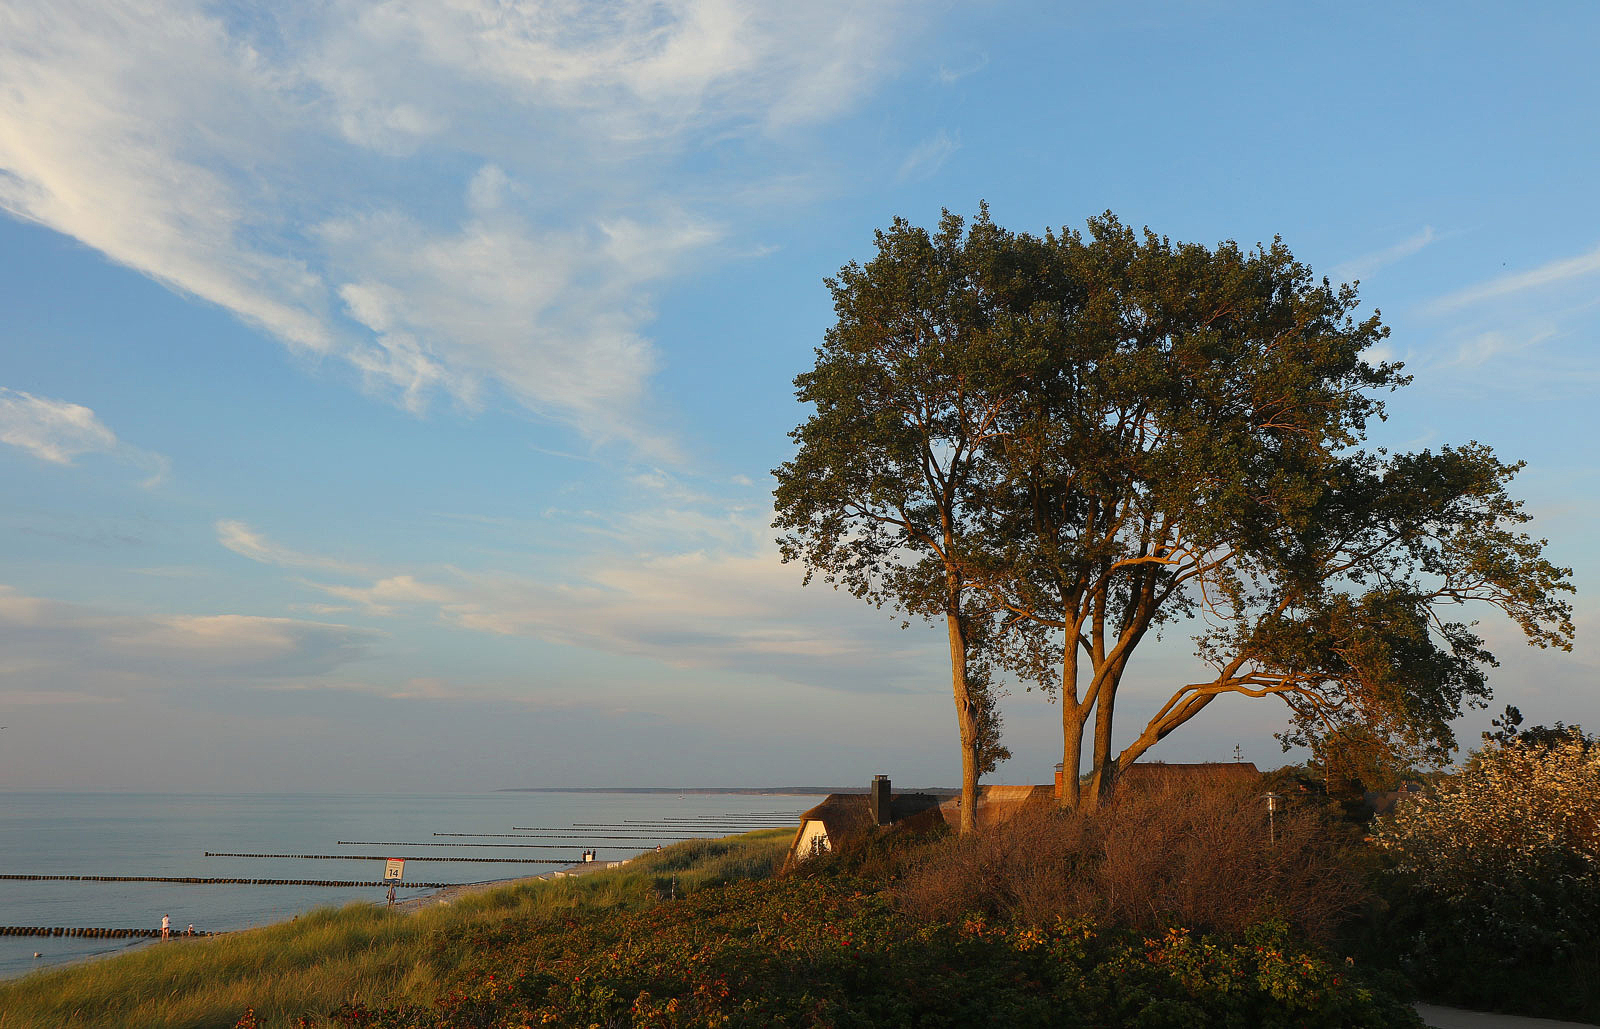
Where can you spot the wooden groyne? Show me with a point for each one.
(661, 828)
(664, 837)
(381, 857)
(524, 846)
(208, 881)
(96, 934)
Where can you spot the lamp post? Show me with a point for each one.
(1273, 800)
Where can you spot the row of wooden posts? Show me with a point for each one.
(227, 882)
(99, 934)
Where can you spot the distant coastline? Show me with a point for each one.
(746, 791)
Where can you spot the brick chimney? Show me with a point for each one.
(878, 797)
(1061, 779)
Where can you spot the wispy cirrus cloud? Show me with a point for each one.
(1364, 266)
(247, 542)
(448, 197)
(60, 431)
(1554, 273)
(928, 156)
(949, 76)
(51, 430)
(1529, 326)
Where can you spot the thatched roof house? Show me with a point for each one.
(843, 818)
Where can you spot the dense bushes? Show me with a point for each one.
(1045, 921)
(1196, 857)
(834, 951)
(1494, 881)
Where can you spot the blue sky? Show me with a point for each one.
(388, 392)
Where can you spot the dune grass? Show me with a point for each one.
(361, 953)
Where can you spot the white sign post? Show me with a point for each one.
(394, 869)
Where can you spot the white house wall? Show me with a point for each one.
(810, 832)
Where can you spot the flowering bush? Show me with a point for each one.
(1495, 877)
(835, 952)
(1517, 811)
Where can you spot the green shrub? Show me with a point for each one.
(831, 951)
(1493, 882)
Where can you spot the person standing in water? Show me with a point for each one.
(166, 927)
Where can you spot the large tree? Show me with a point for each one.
(909, 389)
(1192, 451)
(1064, 444)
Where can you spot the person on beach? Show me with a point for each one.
(391, 894)
(166, 927)
(189, 931)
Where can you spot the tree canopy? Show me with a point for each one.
(1064, 443)
(908, 389)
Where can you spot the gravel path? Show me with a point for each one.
(1456, 1018)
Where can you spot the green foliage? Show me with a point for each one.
(1064, 443)
(883, 495)
(879, 497)
(605, 950)
(1493, 879)
(834, 952)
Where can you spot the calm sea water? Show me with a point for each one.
(168, 835)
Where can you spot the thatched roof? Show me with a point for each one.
(997, 804)
(842, 815)
(1155, 774)
(847, 817)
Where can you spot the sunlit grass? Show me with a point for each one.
(368, 954)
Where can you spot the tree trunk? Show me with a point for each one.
(1105, 766)
(1072, 718)
(1071, 760)
(966, 719)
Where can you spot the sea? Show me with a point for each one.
(170, 835)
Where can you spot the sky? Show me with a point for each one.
(389, 391)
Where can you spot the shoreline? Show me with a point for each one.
(435, 898)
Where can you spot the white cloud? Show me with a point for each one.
(1489, 346)
(1529, 327)
(265, 164)
(1550, 274)
(700, 610)
(86, 650)
(51, 430)
(1362, 267)
(733, 605)
(386, 595)
(928, 157)
(246, 542)
(552, 315)
(59, 431)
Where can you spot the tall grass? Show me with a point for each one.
(1197, 855)
(362, 953)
